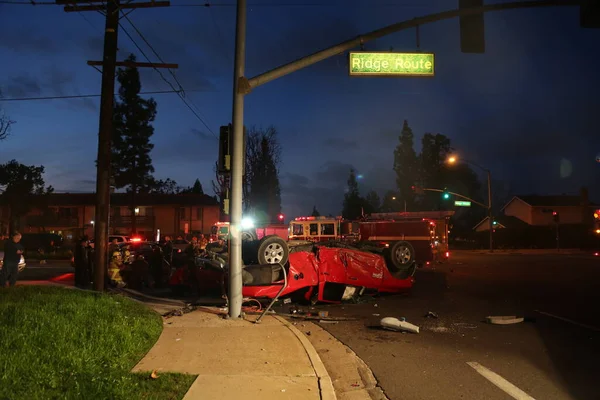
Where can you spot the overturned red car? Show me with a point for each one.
(316, 273)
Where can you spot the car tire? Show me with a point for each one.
(273, 250)
(402, 258)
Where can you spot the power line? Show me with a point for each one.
(209, 5)
(83, 96)
(180, 92)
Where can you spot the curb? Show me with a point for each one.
(325, 385)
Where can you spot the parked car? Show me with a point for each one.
(22, 263)
(324, 272)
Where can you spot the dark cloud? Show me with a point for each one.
(202, 135)
(22, 86)
(184, 148)
(323, 189)
(295, 179)
(340, 143)
(296, 41)
(26, 38)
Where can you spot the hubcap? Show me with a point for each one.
(403, 254)
(274, 253)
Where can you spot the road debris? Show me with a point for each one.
(431, 314)
(323, 321)
(504, 320)
(323, 314)
(395, 324)
(154, 375)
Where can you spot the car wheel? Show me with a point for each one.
(402, 259)
(273, 250)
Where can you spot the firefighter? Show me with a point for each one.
(114, 269)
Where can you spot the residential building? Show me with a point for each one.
(72, 214)
(535, 210)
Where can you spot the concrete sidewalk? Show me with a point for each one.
(237, 359)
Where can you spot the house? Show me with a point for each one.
(535, 210)
(72, 214)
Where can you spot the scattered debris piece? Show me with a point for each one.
(355, 385)
(464, 325)
(375, 305)
(154, 375)
(376, 315)
(287, 300)
(178, 339)
(395, 324)
(307, 333)
(328, 322)
(504, 320)
(440, 329)
(431, 314)
(323, 314)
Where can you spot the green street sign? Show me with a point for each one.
(391, 64)
(460, 203)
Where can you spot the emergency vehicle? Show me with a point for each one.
(320, 229)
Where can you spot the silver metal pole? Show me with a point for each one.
(490, 216)
(237, 167)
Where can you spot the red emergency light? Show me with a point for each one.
(281, 217)
(136, 239)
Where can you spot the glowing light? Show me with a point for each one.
(92, 222)
(359, 176)
(136, 239)
(247, 223)
(451, 160)
(598, 231)
(136, 210)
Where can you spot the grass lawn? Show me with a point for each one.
(64, 343)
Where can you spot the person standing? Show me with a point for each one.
(12, 256)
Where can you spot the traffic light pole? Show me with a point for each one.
(237, 166)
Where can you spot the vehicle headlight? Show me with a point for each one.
(247, 223)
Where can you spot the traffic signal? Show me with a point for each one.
(472, 37)
(555, 217)
(445, 195)
(589, 14)
(417, 190)
(224, 160)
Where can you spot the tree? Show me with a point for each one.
(315, 212)
(195, 189)
(21, 188)
(372, 202)
(263, 192)
(5, 124)
(160, 186)
(406, 166)
(131, 162)
(353, 203)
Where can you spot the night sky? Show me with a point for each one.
(527, 109)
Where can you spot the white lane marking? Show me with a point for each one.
(593, 328)
(500, 382)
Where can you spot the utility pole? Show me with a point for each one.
(237, 165)
(104, 135)
(490, 213)
(109, 63)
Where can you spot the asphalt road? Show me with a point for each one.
(546, 358)
(34, 271)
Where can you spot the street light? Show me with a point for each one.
(454, 160)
